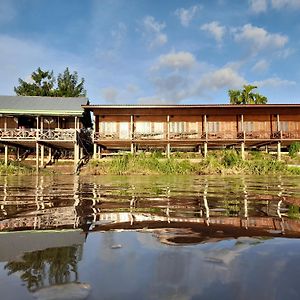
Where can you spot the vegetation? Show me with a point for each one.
(43, 84)
(294, 149)
(218, 162)
(246, 96)
(15, 168)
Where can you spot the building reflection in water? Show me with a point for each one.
(238, 205)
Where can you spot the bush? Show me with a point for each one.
(294, 149)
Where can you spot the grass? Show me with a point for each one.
(218, 162)
(15, 168)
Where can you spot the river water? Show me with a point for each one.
(149, 237)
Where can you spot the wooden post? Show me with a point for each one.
(132, 134)
(243, 150)
(42, 155)
(37, 148)
(168, 150)
(5, 123)
(205, 149)
(76, 155)
(205, 126)
(58, 123)
(168, 137)
(95, 151)
(279, 150)
(49, 154)
(18, 153)
(5, 155)
(242, 122)
(278, 122)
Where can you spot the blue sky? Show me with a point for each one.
(171, 51)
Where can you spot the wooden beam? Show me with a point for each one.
(6, 155)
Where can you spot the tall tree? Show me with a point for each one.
(42, 84)
(246, 96)
(69, 86)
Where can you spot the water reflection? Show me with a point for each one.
(208, 207)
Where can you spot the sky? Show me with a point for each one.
(154, 51)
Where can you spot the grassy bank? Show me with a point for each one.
(218, 162)
(15, 168)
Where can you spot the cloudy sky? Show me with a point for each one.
(153, 51)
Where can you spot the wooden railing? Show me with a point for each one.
(19, 134)
(58, 134)
(190, 135)
(37, 134)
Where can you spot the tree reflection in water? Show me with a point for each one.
(58, 265)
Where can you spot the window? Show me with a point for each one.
(248, 126)
(284, 126)
(108, 127)
(213, 126)
(177, 127)
(143, 127)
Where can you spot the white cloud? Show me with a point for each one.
(186, 15)
(279, 4)
(175, 60)
(153, 32)
(225, 77)
(110, 94)
(258, 6)
(273, 82)
(8, 11)
(261, 66)
(215, 29)
(258, 38)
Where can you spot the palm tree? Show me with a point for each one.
(246, 96)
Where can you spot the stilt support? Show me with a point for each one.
(168, 150)
(6, 155)
(205, 149)
(42, 156)
(132, 148)
(37, 157)
(279, 150)
(243, 150)
(95, 151)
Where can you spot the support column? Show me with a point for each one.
(18, 153)
(37, 156)
(95, 151)
(76, 155)
(49, 154)
(5, 155)
(279, 150)
(242, 123)
(42, 155)
(278, 122)
(5, 123)
(168, 137)
(80, 152)
(168, 150)
(243, 150)
(205, 149)
(132, 148)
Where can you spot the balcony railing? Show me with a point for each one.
(18, 134)
(37, 134)
(58, 134)
(193, 135)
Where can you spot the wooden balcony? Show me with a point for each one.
(200, 136)
(32, 134)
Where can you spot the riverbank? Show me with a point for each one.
(227, 162)
(15, 168)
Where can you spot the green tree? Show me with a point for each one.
(68, 85)
(246, 96)
(42, 84)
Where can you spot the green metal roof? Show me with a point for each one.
(35, 105)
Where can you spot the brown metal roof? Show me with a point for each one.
(96, 106)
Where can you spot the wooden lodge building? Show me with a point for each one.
(196, 127)
(43, 126)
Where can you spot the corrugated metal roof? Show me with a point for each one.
(36, 105)
(190, 106)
